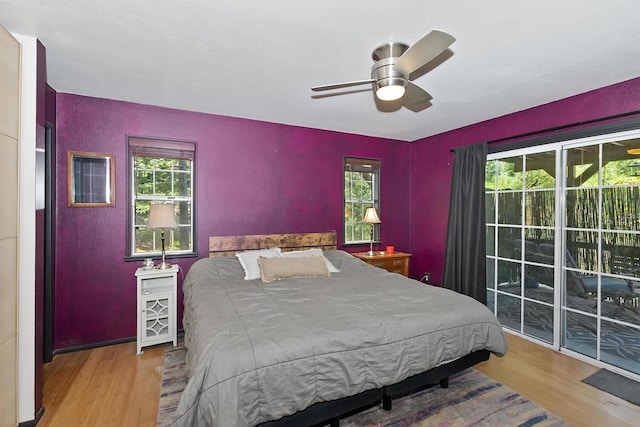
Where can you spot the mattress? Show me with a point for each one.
(260, 351)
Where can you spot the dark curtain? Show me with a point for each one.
(465, 262)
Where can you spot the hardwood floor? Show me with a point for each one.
(111, 386)
(106, 386)
(554, 381)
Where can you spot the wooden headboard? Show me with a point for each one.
(229, 245)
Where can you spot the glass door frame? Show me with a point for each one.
(565, 147)
(560, 305)
(557, 266)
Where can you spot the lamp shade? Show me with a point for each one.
(161, 216)
(371, 216)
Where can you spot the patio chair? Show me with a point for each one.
(610, 286)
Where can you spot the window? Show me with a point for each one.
(361, 191)
(160, 172)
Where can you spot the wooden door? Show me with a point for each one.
(9, 190)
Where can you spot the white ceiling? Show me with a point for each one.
(259, 59)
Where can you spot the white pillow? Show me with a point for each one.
(312, 252)
(249, 261)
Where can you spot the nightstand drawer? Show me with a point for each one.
(390, 264)
(397, 262)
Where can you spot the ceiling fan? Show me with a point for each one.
(393, 64)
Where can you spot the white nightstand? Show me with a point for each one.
(157, 291)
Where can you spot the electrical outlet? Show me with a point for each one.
(426, 278)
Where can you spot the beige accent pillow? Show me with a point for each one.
(312, 252)
(272, 269)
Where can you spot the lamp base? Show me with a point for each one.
(371, 253)
(163, 266)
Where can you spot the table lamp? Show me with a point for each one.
(371, 217)
(162, 217)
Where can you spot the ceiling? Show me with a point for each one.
(259, 59)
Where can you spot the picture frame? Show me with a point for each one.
(91, 179)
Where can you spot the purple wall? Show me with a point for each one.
(252, 178)
(430, 186)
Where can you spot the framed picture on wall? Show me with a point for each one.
(91, 179)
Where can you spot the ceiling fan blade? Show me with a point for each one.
(415, 95)
(423, 51)
(341, 85)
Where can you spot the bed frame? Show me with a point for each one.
(331, 412)
(229, 245)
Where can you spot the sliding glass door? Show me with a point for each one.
(521, 234)
(563, 245)
(601, 232)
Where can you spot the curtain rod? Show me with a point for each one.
(561, 127)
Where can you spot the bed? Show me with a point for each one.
(306, 350)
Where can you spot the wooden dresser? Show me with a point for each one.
(397, 262)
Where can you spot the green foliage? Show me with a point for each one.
(623, 172)
(506, 174)
(606, 198)
(358, 186)
(162, 177)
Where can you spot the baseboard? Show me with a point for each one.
(34, 422)
(93, 345)
(99, 344)
(39, 414)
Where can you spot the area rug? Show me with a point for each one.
(472, 399)
(174, 380)
(615, 384)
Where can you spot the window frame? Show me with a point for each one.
(359, 162)
(164, 149)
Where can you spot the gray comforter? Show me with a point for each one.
(258, 351)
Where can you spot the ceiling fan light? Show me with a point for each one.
(390, 88)
(390, 93)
